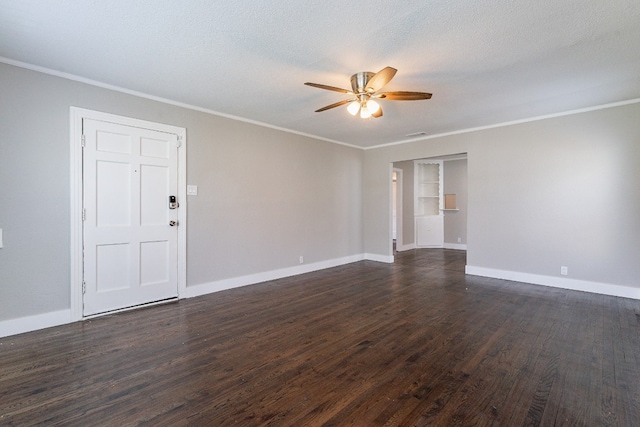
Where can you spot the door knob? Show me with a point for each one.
(173, 223)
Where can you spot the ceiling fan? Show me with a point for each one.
(365, 88)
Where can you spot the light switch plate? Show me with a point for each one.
(192, 190)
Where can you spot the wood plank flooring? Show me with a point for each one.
(415, 343)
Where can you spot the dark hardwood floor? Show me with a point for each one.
(415, 343)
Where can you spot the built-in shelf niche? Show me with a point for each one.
(428, 188)
(429, 203)
(450, 203)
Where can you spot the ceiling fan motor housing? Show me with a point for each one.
(359, 81)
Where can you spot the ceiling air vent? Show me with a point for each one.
(415, 134)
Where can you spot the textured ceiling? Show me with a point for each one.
(486, 61)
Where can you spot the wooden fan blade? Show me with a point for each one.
(403, 96)
(333, 88)
(337, 104)
(380, 79)
(377, 113)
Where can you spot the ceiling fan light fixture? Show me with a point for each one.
(353, 108)
(364, 112)
(372, 106)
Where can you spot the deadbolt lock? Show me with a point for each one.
(173, 203)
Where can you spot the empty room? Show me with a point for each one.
(319, 213)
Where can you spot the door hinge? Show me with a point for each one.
(84, 287)
(84, 214)
(84, 141)
(178, 141)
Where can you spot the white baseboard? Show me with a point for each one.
(252, 279)
(32, 323)
(407, 247)
(410, 246)
(557, 282)
(457, 246)
(379, 258)
(56, 318)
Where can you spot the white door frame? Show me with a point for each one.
(399, 184)
(76, 117)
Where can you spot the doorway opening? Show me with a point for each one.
(427, 184)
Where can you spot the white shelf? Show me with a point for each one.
(428, 196)
(428, 203)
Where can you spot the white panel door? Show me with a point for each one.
(130, 234)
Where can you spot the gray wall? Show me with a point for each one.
(265, 197)
(455, 182)
(559, 191)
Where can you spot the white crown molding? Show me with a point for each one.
(96, 83)
(513, 122)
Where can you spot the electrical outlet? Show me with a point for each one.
(564, 270)
(301, 259)
(459, 239)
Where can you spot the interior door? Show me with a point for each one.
(129, 230)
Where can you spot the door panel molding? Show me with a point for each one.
(77, 115)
